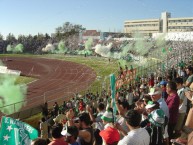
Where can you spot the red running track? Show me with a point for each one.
(56, 79)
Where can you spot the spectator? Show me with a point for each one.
(71, 134)
(155, 123)
(57, 138)
(99, 125)
(163, 87)
(44, 129)
(56, 109)
(85, 131)
(155, 94)
(122, 110)
(110, 135)
(136, 135)
(39, 141)
(142, 91)
(189, 71)
(182, 107)
(45, 110)
(173, 102)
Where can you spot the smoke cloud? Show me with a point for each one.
(18, 48)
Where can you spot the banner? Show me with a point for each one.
(112, 81)
(15, 132)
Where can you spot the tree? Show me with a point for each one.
(69, 29)
(10, 38)
(1, 36)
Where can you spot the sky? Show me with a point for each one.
(43, 16)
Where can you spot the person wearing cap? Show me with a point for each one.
(110, 134)
(155, 123)
(156, 95)
(163, 87)
(57, 138)
(71, 134)
(173, 102)
(136, 135)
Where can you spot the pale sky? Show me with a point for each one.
(43, 16)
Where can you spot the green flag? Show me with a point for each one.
(112, 81)
(15, 132)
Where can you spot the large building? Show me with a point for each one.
(96, 35)
(162, 25)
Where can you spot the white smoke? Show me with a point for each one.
(103, 50)
(48, 48)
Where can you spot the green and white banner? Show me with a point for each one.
(15, 132)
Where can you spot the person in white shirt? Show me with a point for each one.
(136, 135)
(183, 105)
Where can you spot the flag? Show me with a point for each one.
(112, 81)
(15, 132)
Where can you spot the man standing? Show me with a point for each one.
(57, 138)
(173, 102)
(71, 134)
(156, 95)
(44, 128)
(136, 135)
(183, 105)
(86, 136)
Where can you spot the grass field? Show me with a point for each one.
(24, 80)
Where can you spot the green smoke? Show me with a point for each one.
(9, 48)
(11, 93)
(61, 47)
(88, 44)
(160, 41)
(83, 52)
(18, 48)
(122, 63)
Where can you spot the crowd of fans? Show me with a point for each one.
(151, 111)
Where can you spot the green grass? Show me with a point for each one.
(24, 80)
